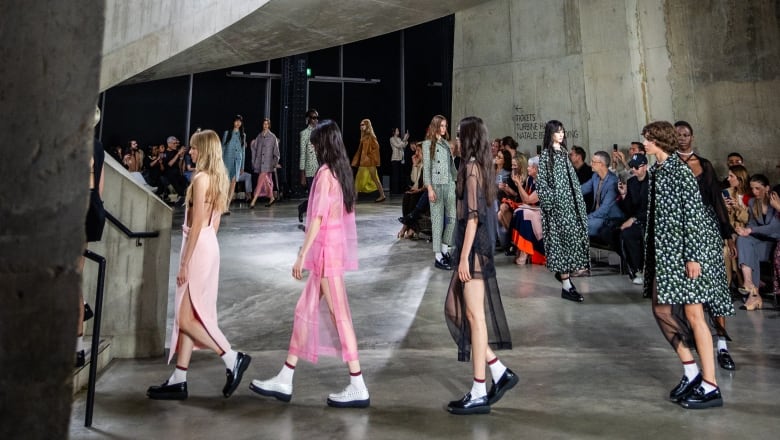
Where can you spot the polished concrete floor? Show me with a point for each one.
(595, 370)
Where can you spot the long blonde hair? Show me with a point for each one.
(369, 131)
(210, 162)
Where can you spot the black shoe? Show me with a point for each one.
(511, 252)
(447, 258)
(572, 295)
(507, 381)
(558, 277)
(168, 392)
(725, 360)
(234, 376)
(81, 358)
(467, 405)
(698, 399)
(88, 313)
(684, 388)
(443, 264)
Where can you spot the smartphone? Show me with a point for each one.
(538, 149)
(614, 147)
(726, 194)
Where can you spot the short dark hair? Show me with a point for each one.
(684, 124)
(639, 145)
(509, 141)
(579, 151)
(735, 154)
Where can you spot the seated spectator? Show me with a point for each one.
(584, 171)
(603, 185)
(172, 156)
(757, 240)
(413, 195)
(508, 143)
(633, 203)
(494, 147)
(736, 198)
(774, 200)
(510, 191)
(189, 166)
(732, 159)
(619, 164)
(503, 165)
(526, 226)
(154, 174)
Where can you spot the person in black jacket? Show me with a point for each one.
(633, 202)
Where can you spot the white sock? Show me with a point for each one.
(708, 386)
(566, 284)
(497, 369)
(445, 249)
(478, 389)
(286, 374)
(79, 343)
(691, 370)
(439, 256)
(230, 359)
(357, 381)
(178, 376)
(722, 343)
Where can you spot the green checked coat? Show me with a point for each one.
(679, 229)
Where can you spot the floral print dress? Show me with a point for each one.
(564, 220)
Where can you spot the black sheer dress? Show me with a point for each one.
(473, 204)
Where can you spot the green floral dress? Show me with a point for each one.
(564, 220)
(679, 229)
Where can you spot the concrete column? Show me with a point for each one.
(48, 92)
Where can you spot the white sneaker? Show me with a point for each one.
(350, 397)
(639, 279)
(272, 387)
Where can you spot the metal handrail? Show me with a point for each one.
(101, 261)
(130, 234)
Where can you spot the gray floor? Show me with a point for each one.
(599, 369)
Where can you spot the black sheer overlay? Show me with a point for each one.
(471, 205)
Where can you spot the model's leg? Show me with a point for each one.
(375, 177)
(437, 221)
(708, 394)
(355, 395)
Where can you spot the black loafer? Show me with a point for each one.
(234, 376)
(684, 388)
(467, 405)
(443, 264)
(168, 392)
(572, 295)
(507, 381)
(698, 399)
(81, 358)
(725, 361)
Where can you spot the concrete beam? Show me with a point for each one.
(181, 37)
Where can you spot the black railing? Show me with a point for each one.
(101, 261)
(130, 234)
(101, 280)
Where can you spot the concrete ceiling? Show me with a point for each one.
(282, 28)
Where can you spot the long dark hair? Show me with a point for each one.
(551, 127)
(474, 142)
(240, 130)
(329, 147)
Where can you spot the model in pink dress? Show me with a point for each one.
(195, 324)
(323, 323)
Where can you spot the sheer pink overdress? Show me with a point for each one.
(202, 285)
(334, 251)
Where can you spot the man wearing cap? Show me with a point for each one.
(633, 202)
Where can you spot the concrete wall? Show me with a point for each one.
(48, 89)
(607, 67)
(136, 287)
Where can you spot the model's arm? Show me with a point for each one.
(464, 271)
(312, 229)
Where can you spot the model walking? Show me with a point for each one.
(439, 178)
(367, 159)
(233, 149)
(195, 324)
(329, 249)
(564, 221)
(265, 157)
(473, 308)
(683, 266)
